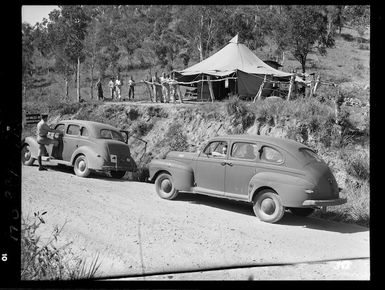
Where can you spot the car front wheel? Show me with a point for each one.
(301, 211)
(165, 187)
(26, 157)
(267, 206)
(81, 166)
(117, 174)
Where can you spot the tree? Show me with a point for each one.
(301, 30)
(358, 16)
(199, 26)
(67, 31)
(27, 53)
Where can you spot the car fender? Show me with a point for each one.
(95, 160)
(183, 174)
(291, 189)
(33, 146)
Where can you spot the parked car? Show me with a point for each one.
(87, 146)
(273, 174)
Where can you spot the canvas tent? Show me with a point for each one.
(235, 60)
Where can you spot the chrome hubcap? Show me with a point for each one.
(166, 186)
(268, 206)
(27, 155)
(82, 165)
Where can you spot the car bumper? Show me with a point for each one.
(327, 202)
(117, 168)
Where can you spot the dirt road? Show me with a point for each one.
(137, 233)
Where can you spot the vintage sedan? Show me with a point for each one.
(273, 174)
(87, 146)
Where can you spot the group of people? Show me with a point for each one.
(115, 86)
(164, 89)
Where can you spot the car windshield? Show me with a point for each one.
(111, 134)
(310, 155)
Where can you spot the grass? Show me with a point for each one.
(44, 260)
(356, 210)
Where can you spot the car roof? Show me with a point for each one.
(90, 124)
(288, 144)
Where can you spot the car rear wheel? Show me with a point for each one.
(165, 187)
(26, 156)
(301, 211)
(81, 166)
(267, 206)
(117, 174)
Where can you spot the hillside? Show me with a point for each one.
(343, 143)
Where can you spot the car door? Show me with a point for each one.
(240, 168)
(57, 151)
(70, 141)
(210, 168)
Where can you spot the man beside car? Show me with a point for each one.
(42, 138)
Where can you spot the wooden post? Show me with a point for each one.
(210, 88)
(311, 87)
(290, 87)
(259, 94)
(316, 83)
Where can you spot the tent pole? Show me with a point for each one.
(259, 94)
(290, 87)
(210, 88)
(202, 88)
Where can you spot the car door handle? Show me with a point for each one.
(223, 163)
(229, 163)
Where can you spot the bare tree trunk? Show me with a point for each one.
(78, 81)
(66, 88)
(92, 79)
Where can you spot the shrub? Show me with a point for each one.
(132, 114)
(177, 139)
(156, 112)
(69, 108)
(357, 164)
(142, 128)
(44, 261)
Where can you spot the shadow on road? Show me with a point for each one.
(70, 170)
(288, 219)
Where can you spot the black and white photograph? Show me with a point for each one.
(194, 142)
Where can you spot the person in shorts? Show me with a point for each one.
(42, 138)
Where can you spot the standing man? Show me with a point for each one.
(131, 84)
(165, 87)
(111, 85)
(175, 89)
(118, 85)
(42, 139)
(100, 89)
(157, 87)
(148, 84)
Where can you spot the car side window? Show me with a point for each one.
(60, 127)
(272, 155)
(244, 150)
(84, 132)
(216, 149)
(73, 130)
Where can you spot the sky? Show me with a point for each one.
(35, 13)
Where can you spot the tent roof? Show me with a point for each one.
(234, 56)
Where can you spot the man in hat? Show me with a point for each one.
(42, 138)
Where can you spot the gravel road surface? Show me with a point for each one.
(137, 233)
